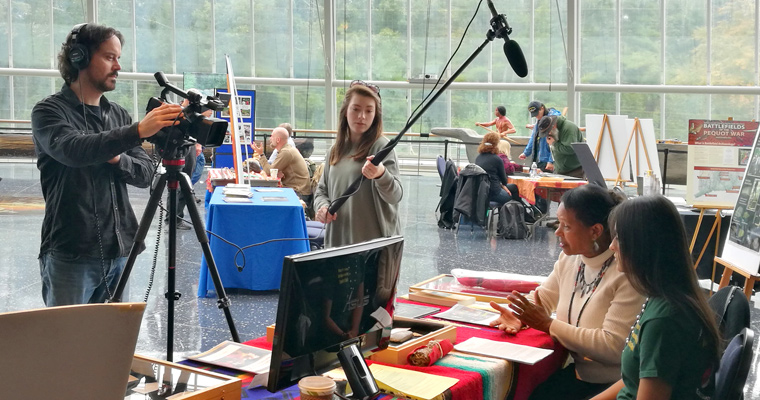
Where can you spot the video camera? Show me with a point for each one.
(193, 128)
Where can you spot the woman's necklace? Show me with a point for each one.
(580, 281)
(638, 317)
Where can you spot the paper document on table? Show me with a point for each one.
(237, 192)
(469, 315)
(508, 351)
(411, 384)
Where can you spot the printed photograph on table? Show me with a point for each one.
(717, 160)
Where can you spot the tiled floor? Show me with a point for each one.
(199, 324)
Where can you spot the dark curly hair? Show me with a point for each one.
(90, 36)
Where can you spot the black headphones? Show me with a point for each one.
(79, 55)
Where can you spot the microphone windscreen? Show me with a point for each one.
(516, 58)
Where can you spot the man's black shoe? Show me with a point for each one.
(181, 224)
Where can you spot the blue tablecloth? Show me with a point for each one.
(248, 223)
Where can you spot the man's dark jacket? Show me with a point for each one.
(85, 196)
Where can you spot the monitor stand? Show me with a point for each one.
(357, 372)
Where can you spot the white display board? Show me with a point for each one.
(618, 135)
(743, 245)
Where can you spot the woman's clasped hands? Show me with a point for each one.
(521, 313)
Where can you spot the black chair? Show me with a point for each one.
(731, 311)
(316, 231)
(734, 367)
(440, 164)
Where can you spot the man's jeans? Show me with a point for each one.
(71, 279)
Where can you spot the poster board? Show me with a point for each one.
(69, 352)
(719, 152)
(606, 157)
(223, 155)
(743, 245)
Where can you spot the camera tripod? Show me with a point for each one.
(173, 178)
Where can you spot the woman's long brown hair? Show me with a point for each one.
(343, 141)
(655, 256)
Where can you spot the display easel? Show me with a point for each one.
(639, 135)
(606, 124)
(506, 137)
(714, 230)
(729, 269)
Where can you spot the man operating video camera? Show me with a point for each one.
(88, 150)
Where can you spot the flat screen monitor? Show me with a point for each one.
(334, 300)
(589, 165)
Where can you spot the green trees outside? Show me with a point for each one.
(641, 42)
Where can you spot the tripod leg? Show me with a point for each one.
(142, 231)
(171, 292)
(200, 233)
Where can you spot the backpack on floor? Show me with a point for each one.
(532, 213)
(512, 221)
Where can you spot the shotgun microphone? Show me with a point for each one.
(511, 48)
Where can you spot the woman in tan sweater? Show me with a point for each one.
(594, 302)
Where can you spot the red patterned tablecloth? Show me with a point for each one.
(548, 188)
(470, 385)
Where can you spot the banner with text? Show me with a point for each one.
(719, 152)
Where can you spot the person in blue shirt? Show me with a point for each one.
(541, 154)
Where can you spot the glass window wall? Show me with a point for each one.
(678, 44)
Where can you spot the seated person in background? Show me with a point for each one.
(509, 167)
(594, 301)
(500, 192)
(306, 149)
(290, 165)
(537, 147)
(292, 144)
(559, 134)
(674, 342)
(503, 124)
